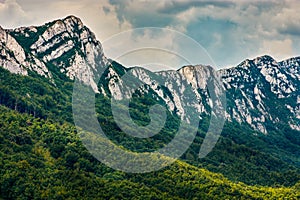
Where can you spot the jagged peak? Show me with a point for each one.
(70, 21)
(256, 61)
(297, 58)
(74, 19)
(264, 57)
(70, 25)
(196, 67)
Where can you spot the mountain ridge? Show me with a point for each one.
(256, 146)
(72, 49)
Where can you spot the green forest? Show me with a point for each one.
(42, 156)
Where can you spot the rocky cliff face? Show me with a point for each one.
(260, 92)
(66, 44)
(14, 58)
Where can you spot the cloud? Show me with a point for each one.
(94, 14)
(229, 30)
(12, 14)
(174, 7)
(154, 48)
(141, 13)
(107, 19)
(291, 29)
(288, 19)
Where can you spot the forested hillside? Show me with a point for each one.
(45, 159)
(257, 155)
(42, 156)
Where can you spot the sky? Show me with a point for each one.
(226, 32)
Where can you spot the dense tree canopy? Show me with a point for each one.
(41, 155)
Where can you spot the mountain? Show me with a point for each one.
(264, 91)
(260, 92)
(259, 145)
(66, 44)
